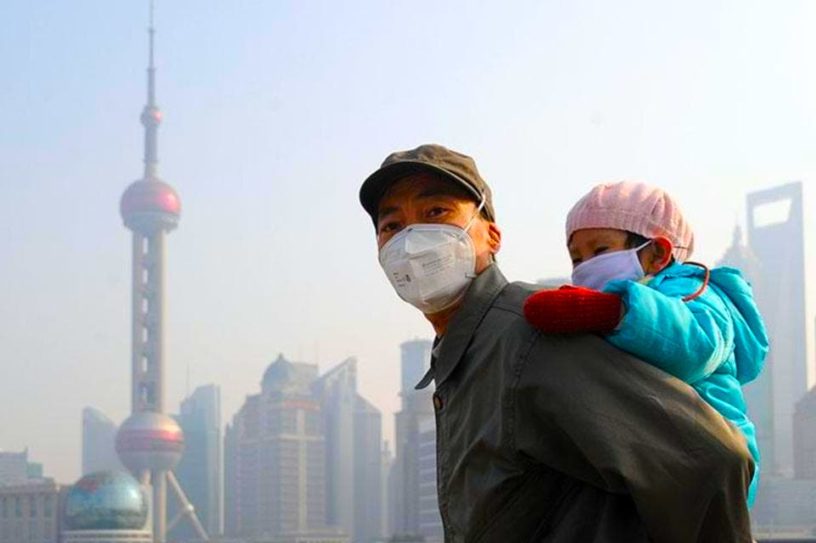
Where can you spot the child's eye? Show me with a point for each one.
(601, 250)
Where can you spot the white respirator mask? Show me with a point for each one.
(596, 272)
(431, 265)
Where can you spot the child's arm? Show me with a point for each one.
(686, 339)
(571, 310)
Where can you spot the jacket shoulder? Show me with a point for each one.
(512, 298)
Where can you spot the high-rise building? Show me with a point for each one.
(788, 508)
(430, 521)
(368, 486)
(387, 500)
(416, 407)
(276, 457)
(98, 442)
(149, 442)
(353, 431)
(231, 482)
(804, 437)
(35, 470)
(774, 263)
(15, 469)
(30, 512)
(776, 237)
(337, 390)
(415, 359)
(200, 469)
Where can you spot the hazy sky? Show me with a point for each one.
(274, 114)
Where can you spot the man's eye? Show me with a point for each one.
(436, 212)
(389, 227)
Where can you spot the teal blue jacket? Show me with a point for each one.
(716, 342)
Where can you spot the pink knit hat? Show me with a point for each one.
(634, 207)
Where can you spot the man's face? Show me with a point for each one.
(424, 198)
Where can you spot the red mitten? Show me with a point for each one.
(571, 310)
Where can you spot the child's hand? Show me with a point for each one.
(571, 310)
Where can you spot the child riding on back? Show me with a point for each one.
(629, 243)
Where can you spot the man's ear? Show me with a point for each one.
(494, 237)
(659, 255)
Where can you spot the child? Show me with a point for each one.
(629, 243)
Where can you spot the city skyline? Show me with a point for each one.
(248, 275)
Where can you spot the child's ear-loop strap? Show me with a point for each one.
(703, 287)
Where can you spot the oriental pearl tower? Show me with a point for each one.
(149, 442)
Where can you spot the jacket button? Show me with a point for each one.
(437, 401)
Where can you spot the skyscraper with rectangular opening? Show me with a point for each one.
(776, 238)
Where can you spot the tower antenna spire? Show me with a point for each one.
(151, 115)
(151, 67)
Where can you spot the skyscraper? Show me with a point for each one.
(773, 261)
(368, 486)
(353, 430)
(200, 469)
(13, 468)
(276, 463)
(149, 442)
(415, 359)
(387, 496)
(416, 407)
(804, 434)
(776, 237)
(98, 442)
(31, 512)
(430, 521)
(337, 390)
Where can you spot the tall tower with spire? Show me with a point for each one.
(149, 442)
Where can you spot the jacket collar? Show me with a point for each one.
(676, 269)
(478, 299)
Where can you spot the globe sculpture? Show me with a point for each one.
(106, 500)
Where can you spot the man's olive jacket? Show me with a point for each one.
(556, 438)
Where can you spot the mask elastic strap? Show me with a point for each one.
(470, 223)
(703, 287)
(476, 214)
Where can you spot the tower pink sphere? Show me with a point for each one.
(149, 441)
(150, 204)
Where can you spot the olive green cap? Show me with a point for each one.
(459, 168)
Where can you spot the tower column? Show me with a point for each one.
(137, 351)
(159, 483)
(156, 343)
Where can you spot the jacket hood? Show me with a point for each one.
(750, 335)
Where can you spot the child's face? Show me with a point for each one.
(591, 242)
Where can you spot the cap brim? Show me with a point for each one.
(375, 186)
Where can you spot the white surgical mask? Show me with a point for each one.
(431, 265)
(596, 272)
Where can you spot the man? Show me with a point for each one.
(542, 438)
